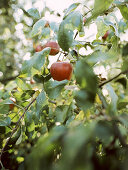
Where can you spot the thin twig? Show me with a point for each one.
(123, 72)
(16, 114)
(89, 43)
(105, 12)
(59, 56)
(16, 126)
(51, 101)
(18, 106)
(63, 52)
(87, 7)
(88, 11)
(75, 35)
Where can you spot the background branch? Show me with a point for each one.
(123, 72)
(4, 81)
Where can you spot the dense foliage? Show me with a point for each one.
(75, 124)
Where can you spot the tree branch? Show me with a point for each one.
(4, 81)
(105, 12)
(16, 126)
(76, 35)
(51, 101)
(123, 72)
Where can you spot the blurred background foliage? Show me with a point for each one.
(15, 43)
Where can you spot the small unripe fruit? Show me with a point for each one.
(11, 106)
(32, 81)
(47, 24)
(84, 20)
(55, 48)
(105, 35)
(39, 48)
(61, 71)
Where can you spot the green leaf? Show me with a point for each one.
(100, 6)
(33, 12)
(37, 27)
(62, 112)
(124, 119)
(124, 11)
(113, 105)
(45, 33)
(85, 76)
(74, 21)
(53, 88)
(109, 23)
(15, 137)
(87, 80)
(40, 78)
(23, 95)
(11, 85)
(5, 121)
(125, 50)
(122, 81)
(75, 146)
(65, 35)
(103, 131)
(125, 64)
(122, 105)
(4, 108)
(28, 118)
(115, 42)
(71, 8)
(54, 26)
(22, 84)
(41, 101)
(44, 149)
(30, 129)
(97, 56)
(7, 101)
(37, 61)
(84, 99)
(102, 28)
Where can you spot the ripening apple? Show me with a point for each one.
(38, 48)
(55, 48)
(61, 71)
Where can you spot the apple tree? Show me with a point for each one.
(67, 115)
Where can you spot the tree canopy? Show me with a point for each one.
(80, 122)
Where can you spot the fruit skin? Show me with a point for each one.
(61, 71)
(55, 48)
(39, 48)
(11, 106)
(47, 24)
(32, 81)
(105, 35)
(84, 20)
